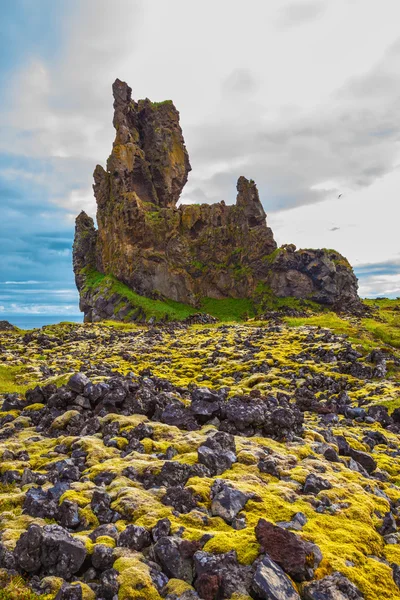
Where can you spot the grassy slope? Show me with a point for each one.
(158, 309)
(381, 328)
(229, 309)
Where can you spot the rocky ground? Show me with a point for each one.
(256, 460)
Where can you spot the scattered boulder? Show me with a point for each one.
(295, 556)
(271, 583)
(50, 549)
(364, 459)
(227, 502)
(135, 538)
(175, 557)
(220, 575)
(180, 498)
(315, 484)
(218, 453)
(102, 557)
(333, 587)
(69, 592)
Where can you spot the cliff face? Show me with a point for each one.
(190, 252)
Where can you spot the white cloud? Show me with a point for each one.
(29, 282)
(297, 94)
(362, 224)
(42, 309)
(381, 285)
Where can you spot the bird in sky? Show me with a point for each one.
(340, 195)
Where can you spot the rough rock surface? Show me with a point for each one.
(220, 462)
(188, 252)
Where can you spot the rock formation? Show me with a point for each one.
(189, 252)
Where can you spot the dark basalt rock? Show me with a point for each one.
(218, 453)
(220, 575)
(333, 587)
(50, 549)
(135, 538)
(226, 501)
(69, 592)
(295, 556)
(364, 459)
(190, 252)
(271, 583)
(175, 557)
(180, 498)
(102, 557)
(108, 588)
(314, 484)
(6, 326)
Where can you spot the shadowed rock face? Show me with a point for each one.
(188, 252)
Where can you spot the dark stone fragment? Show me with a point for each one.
(51, 549)
(180, 498)
(102, 557)
(135, 538)
(364, 459)
(333, 587)
(7, 560)
(218, 453)
(68, 515)
(314, 484)
(380, 413)
(179, 415)
(100, 505)
(343, 445)
(389, 524)
(226, 501)
(108, 529)
(331, 455)
(270, 466)
(271, 583)
(220, 575)
(170, 552)
(108, 588)
(173, 473)
(161, 529)
(78, 382)
(396, 574)
(104, 477)
(69, 592)
(295, 556)
(39, 503)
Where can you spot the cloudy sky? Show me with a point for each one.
(303, 96)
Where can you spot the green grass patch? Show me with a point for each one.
(228, 309)
(7, 380)
(157, 309)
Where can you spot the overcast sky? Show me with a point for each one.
(303, 96)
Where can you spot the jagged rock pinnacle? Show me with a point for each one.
(194, 251)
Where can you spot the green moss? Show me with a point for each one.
(8, 383)
(228, 309)
(159, 310)
(162, 103)
(16, 588)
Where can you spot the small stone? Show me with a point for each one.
(271, 583)
(77, 382)
(226, 501)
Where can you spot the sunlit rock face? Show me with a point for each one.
(192, 251)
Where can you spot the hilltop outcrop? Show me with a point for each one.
(186, 253)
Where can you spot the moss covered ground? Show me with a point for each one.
(269, 357)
